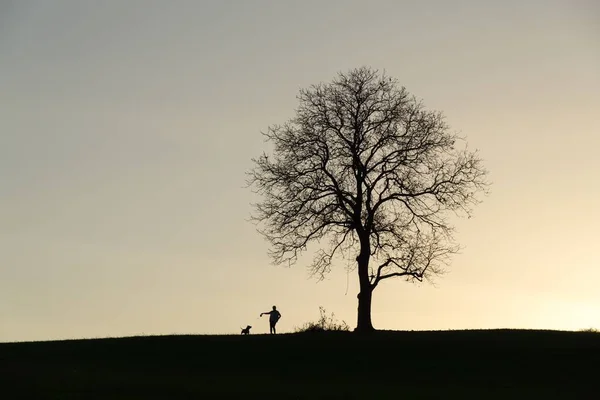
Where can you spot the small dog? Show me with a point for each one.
(246, 330)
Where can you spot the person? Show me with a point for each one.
(274, 316)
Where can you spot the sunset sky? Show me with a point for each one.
(127, 126)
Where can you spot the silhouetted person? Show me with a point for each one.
(274, 316)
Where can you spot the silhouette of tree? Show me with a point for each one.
(366, 166)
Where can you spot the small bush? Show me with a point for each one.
(323, 324)
(590, 330)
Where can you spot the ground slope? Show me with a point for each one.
(483, 364)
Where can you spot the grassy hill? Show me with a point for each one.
(481, 364)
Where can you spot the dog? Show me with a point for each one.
(246, 330)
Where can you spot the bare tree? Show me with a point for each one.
(366, 166)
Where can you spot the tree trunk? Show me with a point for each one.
(364, 324)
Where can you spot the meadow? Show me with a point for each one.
(477, 364)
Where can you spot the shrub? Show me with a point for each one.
(323, 324)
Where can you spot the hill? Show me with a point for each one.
(482, 364)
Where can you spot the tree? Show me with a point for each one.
(365, 165)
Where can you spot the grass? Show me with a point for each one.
(478, 364)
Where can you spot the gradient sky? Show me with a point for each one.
(126, 127)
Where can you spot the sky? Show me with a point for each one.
(127, 126)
